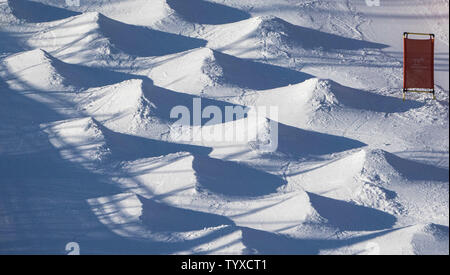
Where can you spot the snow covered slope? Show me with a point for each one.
(95, 147)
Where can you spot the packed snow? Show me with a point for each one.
(92, 151)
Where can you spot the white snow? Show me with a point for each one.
(89, 151)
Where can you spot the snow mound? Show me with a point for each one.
(86, 139)
(394, 168)
(138, 12)
(363, 177)
(207, 72)
(96, 37)
(420, 239)
(308, 97)
(123, 107)
(132, 216)
(138, 107)
(431, 239)
(274, 212)
(291, 143)
(366, 177)
(37, 69)
(317, 101)
(79, 140)
(190, 69)
(86, 40)
(269, 37)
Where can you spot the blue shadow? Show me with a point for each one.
(204, 12)
(351, 217)
(35, 12)
(234, 179)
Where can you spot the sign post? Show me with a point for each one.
(418, 64)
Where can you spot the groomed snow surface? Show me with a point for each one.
(89, 152)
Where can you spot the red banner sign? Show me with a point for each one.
(418, 63)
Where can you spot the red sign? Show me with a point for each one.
(418, 65)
